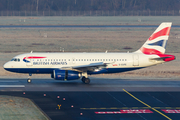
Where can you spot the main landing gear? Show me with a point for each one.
(29, 78)
(85, 80)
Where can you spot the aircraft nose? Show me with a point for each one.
(6, 65)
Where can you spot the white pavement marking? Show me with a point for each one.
(135, 85)
(12, 85)
(9, 81)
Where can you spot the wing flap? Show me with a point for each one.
(88, 67)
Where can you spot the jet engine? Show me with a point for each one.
(65, 75)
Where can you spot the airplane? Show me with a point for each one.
(72, 66)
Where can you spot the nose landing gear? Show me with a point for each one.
(29, 78)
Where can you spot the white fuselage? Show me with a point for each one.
(47, 62)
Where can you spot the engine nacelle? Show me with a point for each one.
(65, 75)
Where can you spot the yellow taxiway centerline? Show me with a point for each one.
(146, 104)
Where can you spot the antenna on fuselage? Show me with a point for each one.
(31, 51)
(106, 51)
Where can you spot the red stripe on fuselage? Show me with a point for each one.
(33, 57)
(162, 32)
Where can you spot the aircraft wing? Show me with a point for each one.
(88, 67)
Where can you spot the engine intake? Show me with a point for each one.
(65, 75)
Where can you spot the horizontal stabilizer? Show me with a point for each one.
(164, 57)
(159, 59)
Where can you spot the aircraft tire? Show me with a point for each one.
(83, 79)
(87, 81)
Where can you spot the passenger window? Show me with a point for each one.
(18, 60)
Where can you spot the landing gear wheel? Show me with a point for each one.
(87, 81)
(29, 80)
(83, 79)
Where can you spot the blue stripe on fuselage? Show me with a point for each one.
(50, 70)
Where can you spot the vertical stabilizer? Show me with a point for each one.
(156, 44)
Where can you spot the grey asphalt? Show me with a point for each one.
(102, 99)
(97, 84)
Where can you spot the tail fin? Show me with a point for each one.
(156, 44)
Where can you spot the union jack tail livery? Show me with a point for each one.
(156, 44)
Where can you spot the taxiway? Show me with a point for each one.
(114, 99)
(97, 84)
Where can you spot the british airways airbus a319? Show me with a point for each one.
(71, 66)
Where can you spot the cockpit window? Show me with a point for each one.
(16, 59)
(12, 59)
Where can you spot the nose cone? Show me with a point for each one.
(6, 66)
